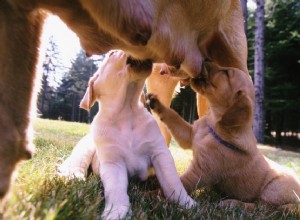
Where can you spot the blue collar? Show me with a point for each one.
(221, 141)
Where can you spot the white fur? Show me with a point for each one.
(127, 139)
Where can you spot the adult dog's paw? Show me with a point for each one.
(153, 102)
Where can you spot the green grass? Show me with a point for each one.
(38, 193)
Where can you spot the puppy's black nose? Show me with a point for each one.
(142, 38)
(140, 65)
(199, 80)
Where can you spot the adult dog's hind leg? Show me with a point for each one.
(163, 86)
(180, 129)
(202, 105)
(19, 34)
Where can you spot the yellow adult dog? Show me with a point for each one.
(177, 32)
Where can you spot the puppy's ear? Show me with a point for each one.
(89, 98)
(209, 67)
(239, 113)
(205, 69)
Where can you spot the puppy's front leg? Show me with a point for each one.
(76, 165)
(168, 178)
(115, 180)
(180, 129)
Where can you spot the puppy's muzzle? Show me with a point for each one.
(200, 83)
(140, 65)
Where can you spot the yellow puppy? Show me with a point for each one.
(225, 154)
(125, 140)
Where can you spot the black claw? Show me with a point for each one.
(150, 101)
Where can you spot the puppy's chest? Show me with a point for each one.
(138, 164)
(135, 124)
(129, 139)
(137, 151)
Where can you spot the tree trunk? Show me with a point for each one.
(43, 96)
(245, 13)
(258, 126)
(74, 106)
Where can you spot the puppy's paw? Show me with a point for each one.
(190, 203)
(70, 172)
(119, 212)
(153, 102)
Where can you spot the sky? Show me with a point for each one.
(251, 4)
(67, 41)
(67, 44)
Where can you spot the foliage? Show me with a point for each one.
(184, 103)
(39, 194)
(51, 65)
(282, 67)
(72, 89)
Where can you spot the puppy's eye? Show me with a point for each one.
(111, 53)
(225, 72)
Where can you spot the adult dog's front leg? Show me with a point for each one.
(19, 34)
(115, 180)
(180, 129)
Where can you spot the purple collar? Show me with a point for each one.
(221, 141)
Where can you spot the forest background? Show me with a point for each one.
(278, 90)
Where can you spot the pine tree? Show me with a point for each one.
(72, 89)
(51, 65)
(282, 69)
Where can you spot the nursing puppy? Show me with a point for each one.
(127, 139)
(225, 154)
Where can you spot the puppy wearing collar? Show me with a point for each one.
(125, 140)
(225, 154)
